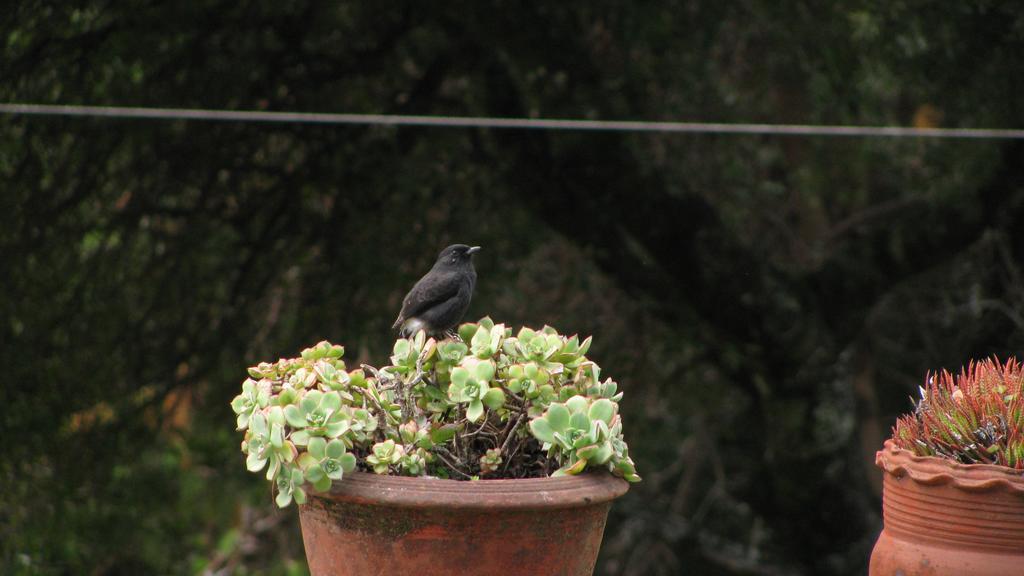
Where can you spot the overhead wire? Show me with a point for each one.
(266, 116)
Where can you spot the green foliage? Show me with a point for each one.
(302, 416)
(325, 461)
(384, 455)
(297, 406)
(765, 298)
(490, 461)
(585, 432)
(976, 417)
(470, 385)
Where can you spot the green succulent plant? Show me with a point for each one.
(488, 403)
(584, 432)
(451, 353)
(252, 399)
(384, 455)
(289, 485)
(317, 414)
(414, 461)
(325, 461)
(490, 461)
(470, 386)
(487, 339)
(362, 425)
(266, 443)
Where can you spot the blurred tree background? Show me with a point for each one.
(766, 303)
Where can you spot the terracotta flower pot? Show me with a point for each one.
(369, 524)
(944, 518)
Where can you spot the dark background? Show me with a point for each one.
(766, 303)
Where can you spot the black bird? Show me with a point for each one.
(439, 300)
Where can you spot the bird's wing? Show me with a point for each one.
(431, 290)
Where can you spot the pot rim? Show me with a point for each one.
(585, 489)
(932, 470)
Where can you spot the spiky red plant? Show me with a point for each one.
(976, 417)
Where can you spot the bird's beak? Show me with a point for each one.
(473, 250)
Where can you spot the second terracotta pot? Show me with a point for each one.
(942, 518)
(369, 524)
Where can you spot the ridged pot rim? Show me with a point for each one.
(585, 489)
(935, 471)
